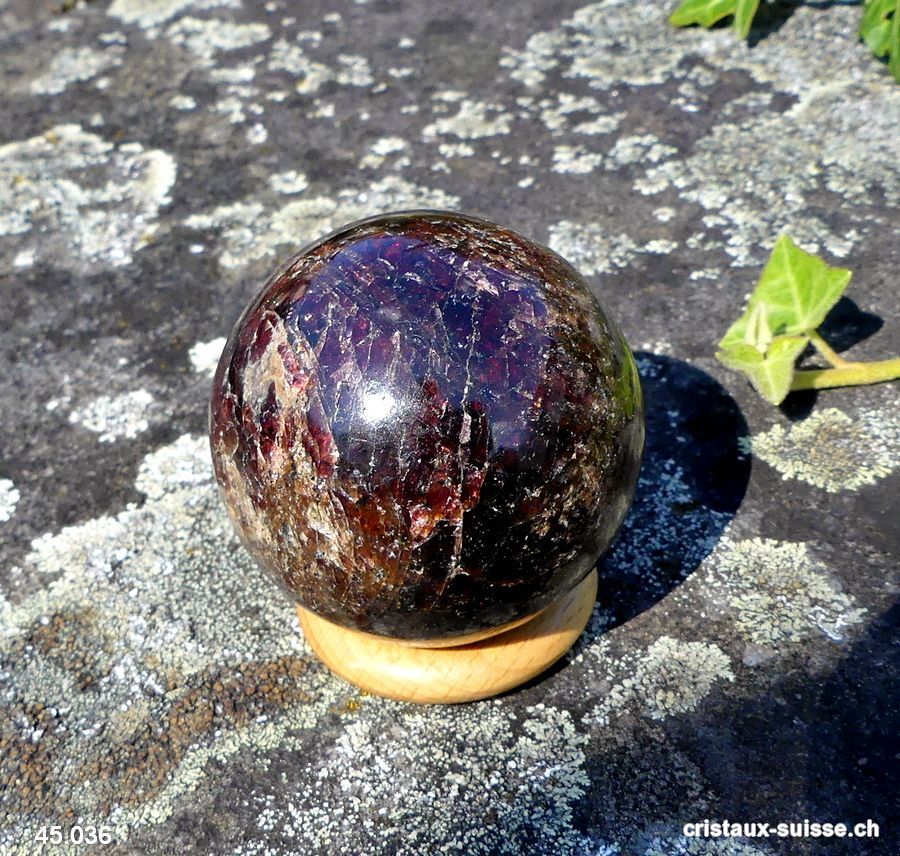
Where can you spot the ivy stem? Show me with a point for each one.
(827, 351)
(850, 374)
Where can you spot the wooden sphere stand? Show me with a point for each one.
(456, 670)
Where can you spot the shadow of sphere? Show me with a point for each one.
(693, 478)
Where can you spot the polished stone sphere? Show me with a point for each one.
(426, 426)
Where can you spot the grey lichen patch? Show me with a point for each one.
(473, 120)
(628, 150)
(395, 780)
(575, 159)
(456, 150)
(638, 148)
(209, 44)
(256, 134)
(204, 356)
(115, 417)
(791, 163)
(671, 677)
(236, 75)
(72, 194)
(288, 182)
(353, 70)
(386, 150)
(606, 45)
(566, 112)
(183, 102)
(580, 45)
(71, 65)
(832, 450)
(150, 615)
(311, 73)
(795, 61)
(232, 107)
(149, 14)
(249, 231)
(205, 38)
(9, 499)
(777, 593)
(160, 553)
(592, 249)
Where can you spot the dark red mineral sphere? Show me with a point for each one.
(425, 426)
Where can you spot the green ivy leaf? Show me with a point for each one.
(880, 30)
(794, 294)
(759, 333)
(880, 27)
(798, 290)
(709, 12)
(875, 27)
(771, 372)
(744, 15)
(702, 12)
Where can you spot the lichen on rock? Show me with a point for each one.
(832, 450)
(777, 593)
(115, 417)
(9, 499)
(126, 667)
(159, 156)
(395, 780)
(249, 231)
(75, 195)
(670, 677)
(73, 65)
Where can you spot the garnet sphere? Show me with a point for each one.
(425, 426)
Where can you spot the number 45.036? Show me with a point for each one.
(74, 835)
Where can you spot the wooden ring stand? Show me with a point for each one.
(458, 670)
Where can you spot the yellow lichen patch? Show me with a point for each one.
(832, 450)
(669, 677)
(777, 593)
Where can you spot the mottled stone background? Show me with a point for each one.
(158, 158)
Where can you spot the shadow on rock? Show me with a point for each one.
(853, 737)
(692, 481)
(848, 325)
(795, 745)
(787, 745)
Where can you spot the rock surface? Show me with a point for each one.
(158, 159)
